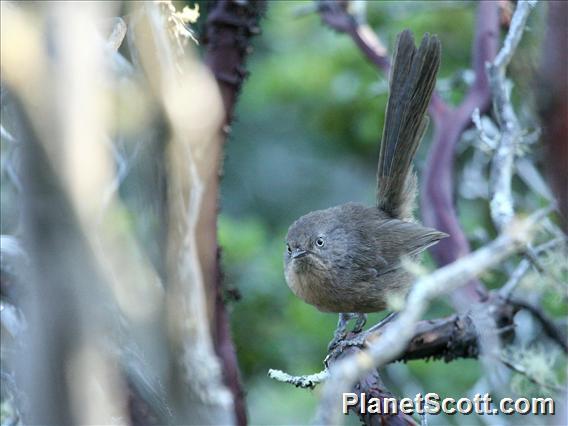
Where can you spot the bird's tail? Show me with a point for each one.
(412, 81)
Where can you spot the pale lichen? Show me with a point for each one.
(178, 22)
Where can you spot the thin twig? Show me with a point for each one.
(548, 326)
(522, 268)
(521, 370)
(306, 381)
(515, 278)
(502, 167)
(117, 34)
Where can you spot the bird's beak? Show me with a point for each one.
(296, 254)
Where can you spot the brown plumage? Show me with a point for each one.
(348, 258)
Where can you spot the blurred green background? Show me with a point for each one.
(306, 137)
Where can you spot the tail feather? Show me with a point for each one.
(413, 78)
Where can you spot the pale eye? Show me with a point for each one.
(320, 242)
(288, 249)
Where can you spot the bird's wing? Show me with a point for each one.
(397, 238)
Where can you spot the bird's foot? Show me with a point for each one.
(360, 323)
(340, 342)
(341, 330)
(338, 347)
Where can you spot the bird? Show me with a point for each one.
(348, 259)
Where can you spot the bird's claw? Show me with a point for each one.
(341, 331)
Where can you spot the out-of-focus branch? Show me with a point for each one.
(229, 30)
(437, 201)
(523, 371)
(50, 303)
(523, 267)
(61, 368)
(117, 33)
(335, 14)
(552, 98)
(195, 385)
(502, 166)
(548, 326)
(397, 335)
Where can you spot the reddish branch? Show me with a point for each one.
(229, 29)
(438, 208)
(437, 201)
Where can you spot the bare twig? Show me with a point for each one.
(548, 326)
(336, 16)
(502, 167)
(522, 268)
(306, 381)
(515, 278)
(117, 33)
(522, 370)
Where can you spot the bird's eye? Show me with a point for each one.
(320, 242)
(288, 249)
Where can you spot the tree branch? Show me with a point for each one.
(547, 325)
(306, 381)
(229, 30)
(446, 339)
(437, 201)
(552, 98)
(502, 167)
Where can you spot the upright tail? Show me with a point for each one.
(412, 81)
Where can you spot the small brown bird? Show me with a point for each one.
(347, 258)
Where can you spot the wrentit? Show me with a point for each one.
(347, 258)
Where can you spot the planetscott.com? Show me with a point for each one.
(431, 403)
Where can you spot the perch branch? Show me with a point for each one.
(396, 337)
(444, 339)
